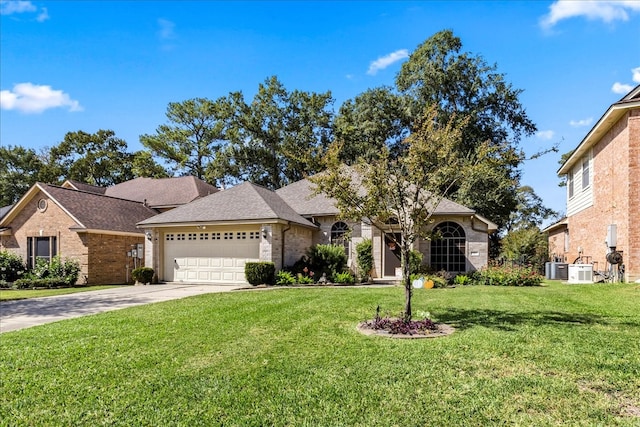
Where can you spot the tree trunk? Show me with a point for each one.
(406, 279)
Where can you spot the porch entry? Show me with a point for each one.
(391, 254)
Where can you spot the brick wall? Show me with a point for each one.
(109, 263)
(616, 199)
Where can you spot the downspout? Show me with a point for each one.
(284, 230)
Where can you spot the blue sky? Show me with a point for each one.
(84, 65)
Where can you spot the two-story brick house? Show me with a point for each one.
(603, 193)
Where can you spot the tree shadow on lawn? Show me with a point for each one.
(509, 321)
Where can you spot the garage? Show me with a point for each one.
(215, 256)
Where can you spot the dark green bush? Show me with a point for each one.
(327, 259)
(415, 261)
(364, 254)
(11, 266)
(143, 274)
(260, 273)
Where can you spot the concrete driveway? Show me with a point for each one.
(37, 311)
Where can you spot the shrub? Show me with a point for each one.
(49, 282)
(462, 279)
(327, 259)
(415, 261)
(11, 266)
(344, 278)
(258, 273)
(285, 278)
(506, 276)
(364, 254)
(143, 274)
(67, 270)
(4, 284)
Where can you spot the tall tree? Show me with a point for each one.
(144, 165)
(403, 191)
(463, 87)
(277, 138)
(375, 119)
(190, 141)
(530, 210)
(98, 159)
(20, 168)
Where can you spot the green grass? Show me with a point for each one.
(16, 294)
(555, 355)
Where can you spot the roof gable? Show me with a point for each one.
(606, 122)
(77, 185)
(244, 202)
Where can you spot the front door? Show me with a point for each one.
(391, 254)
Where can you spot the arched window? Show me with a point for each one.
(448, 248)
(340, 235)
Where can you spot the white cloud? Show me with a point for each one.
(545, 134)
(384, 61)
(605, 10)
(43, 15)
(581, 123)
(636, 74)
(29, 98)
(621, 88)
(9, 7)
(167, 29)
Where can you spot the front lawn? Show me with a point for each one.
(554, 355)
(16, 294)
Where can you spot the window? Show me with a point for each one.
(340, 235)
(169, 237)
(228, 236)
(180, 236)
(254, 235)
(41, 248)
(241, 235)
(585, 173)
(215, 236)
(193, 236)
(204, 236)
(448, 248)
(570, 184)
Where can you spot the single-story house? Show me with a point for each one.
(94, 225)
(211, 239)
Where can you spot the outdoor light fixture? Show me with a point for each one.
(264, 232)
(148, 234)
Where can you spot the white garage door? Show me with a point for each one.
(208, 257)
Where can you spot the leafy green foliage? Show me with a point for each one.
(44, 282)
(55, 273)
(192, 138)
(506, 276)
(260, 273)
(143, 274)
(275, 139)
(99, 159)
(327, 259)
(285, 278)
(11, 266)
(344, 278)
(526, 246)
(364, 258)
(20, 168)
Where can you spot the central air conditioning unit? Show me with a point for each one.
(580, 273)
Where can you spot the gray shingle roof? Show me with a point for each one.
(84, 187)
(243, 202)
(163, 192)
(97, 212)
(4, 210)
(300, 196)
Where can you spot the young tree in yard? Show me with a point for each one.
(190, 141)
(526, 246)
(402, 192)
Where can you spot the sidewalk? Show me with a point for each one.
(21, 314)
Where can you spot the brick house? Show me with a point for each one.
(603, 193)
(210, 239)
(93, 225)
